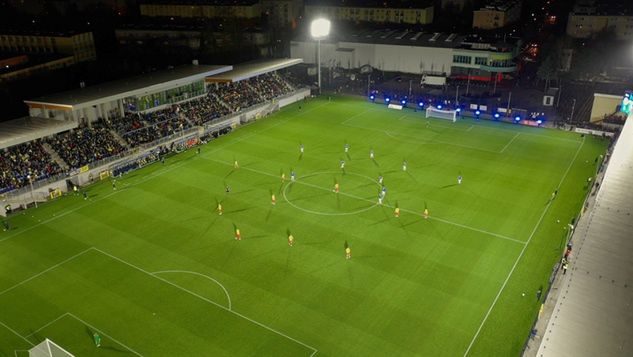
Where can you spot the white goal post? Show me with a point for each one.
(48, 348)
(432, 112)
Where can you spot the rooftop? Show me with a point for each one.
(127, 87)
(252, 69)
(202, 2)
(21, 130)
(394, 4)
(39, 32)
(416, 38)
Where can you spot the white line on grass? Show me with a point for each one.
(516, 262)
(44, 271)
(15, 352)
(150, 176)
(314, 350)
(386, 205)
(104, 334)
(509, 142)
(48, 324)
(226, 292)
(417, 140)
(356, 115)
(470, 128)
(16, 333)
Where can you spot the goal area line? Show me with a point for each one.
(312, 351)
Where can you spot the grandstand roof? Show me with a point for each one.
(146, 83)
(252, 69)
(593, 312)
(21, 130)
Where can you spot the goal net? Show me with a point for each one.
(432, 112)
(48, 348)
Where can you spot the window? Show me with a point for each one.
(461, 59)
(481, 60)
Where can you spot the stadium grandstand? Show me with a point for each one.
(589, 309)
(83, 134)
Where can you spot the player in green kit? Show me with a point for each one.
(97, 339)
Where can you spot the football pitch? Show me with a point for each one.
(156, 271)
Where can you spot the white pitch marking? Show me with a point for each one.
(226, 292)
(103, 333)
(44, 271)
(386, 205)
(151, 176)
(207, 300)
(509, 142)
(45, 326)
(17, 334)
(505, 282)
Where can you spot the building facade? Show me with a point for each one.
(421, 14)
(245, 9)
(282, 12)
(588, 19)
(497, 14)
(79, 45)
(418, 53)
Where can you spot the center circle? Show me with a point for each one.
(314, 193)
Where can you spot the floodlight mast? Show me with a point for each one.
(319, 29)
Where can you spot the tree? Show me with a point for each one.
(548, 70)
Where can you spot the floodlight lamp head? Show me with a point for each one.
(477, 112)
(320, 28)
(439, 106)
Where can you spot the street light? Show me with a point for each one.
(319, 29)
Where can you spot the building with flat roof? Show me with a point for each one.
(401, 12)
(113, 99)
(16, 66)
(589, 18)
(497, 14)
(412, 52)
(79, 45)
(246, 9)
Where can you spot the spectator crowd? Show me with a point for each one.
(90, 143)
(20, 161)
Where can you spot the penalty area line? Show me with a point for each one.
(516, 262)
(103, 333)
(314, 350)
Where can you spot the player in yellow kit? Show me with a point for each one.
(291, 240)
(396, 212)
(273, 199)
(220, 209)
(426, 213)
(238, 235)
(336, 188)
(348, 253)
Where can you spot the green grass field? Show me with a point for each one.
(156, 271)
